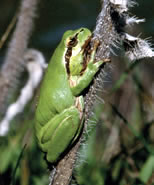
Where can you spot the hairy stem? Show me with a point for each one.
(105, 33)
(14, 63)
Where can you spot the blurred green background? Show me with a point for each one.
(120, 151)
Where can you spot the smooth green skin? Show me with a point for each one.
(58, 120)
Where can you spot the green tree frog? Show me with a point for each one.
(60, 107)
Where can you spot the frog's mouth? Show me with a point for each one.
(86, 48)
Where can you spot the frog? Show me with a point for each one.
(59, 116)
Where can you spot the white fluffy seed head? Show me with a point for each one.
(137, 48)
(133, 20)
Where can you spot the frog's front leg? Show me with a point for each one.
(60, 132)
(79, 83)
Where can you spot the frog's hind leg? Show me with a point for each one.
(59, 132)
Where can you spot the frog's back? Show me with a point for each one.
(55, 93)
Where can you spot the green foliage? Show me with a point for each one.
(19, 164)
(147, 169)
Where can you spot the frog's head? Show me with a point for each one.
(76, 37)
(77, 44)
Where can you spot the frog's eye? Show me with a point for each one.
(73, 41)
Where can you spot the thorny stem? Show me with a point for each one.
(105, 33)
(14, 63)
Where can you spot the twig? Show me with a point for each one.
(8, 30)
(65, 167)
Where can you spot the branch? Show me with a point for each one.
(13, 64)
(105, 33)
(35, 64)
